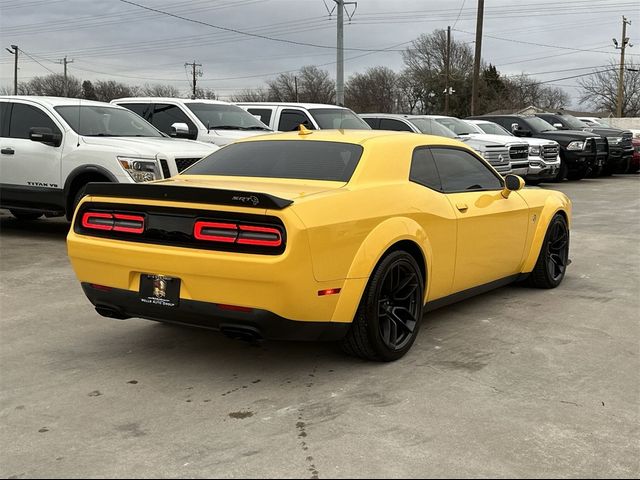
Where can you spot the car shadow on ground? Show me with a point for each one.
(53, 229)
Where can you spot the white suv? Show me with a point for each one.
(209, 121)
(286, 117)
(50, 148)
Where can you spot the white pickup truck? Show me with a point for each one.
(50, 148)
(211, 121)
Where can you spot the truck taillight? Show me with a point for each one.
(116, 222)
(237, 233)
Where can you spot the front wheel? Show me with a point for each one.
(553, 259)
(388, 318)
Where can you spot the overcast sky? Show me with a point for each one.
(109, 39)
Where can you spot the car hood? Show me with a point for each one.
(283, 188)
(499, 139)
(566, 136)
(606, 131)
(152, 146)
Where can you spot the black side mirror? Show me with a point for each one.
(520, 132)
(512, 183)
(45, 135)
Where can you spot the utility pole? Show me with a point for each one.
(196, 73)
(446, 72)
(340, 50)
(64, 62)
(477, 58)
(623, 44)
(295, 79)
(14, 51)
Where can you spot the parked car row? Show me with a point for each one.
(51, 148)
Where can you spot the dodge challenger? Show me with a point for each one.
(340, 235)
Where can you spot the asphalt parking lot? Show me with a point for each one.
(518, 382)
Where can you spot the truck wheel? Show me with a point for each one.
(554, 256)
(25, 215)
(578, 174)
(76, 199)
(388, 318)
(563, 171)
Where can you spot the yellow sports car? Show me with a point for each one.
(317, 235)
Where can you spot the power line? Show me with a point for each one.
(459, 13)
(241, 32)
(28, 55)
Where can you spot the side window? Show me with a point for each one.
(396, 125)
(423, 169)
(462, 172)
(24, 117)
(4, 120)
(165, 115)
(290, 119)
(263, 113)
(373, 123)
(141, 109)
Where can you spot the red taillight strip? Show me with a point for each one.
(116, 222)
(87, 216)
(267, 234)
(127, 223)
(231, 229)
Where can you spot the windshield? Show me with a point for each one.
(493, 129)
(600, 121)
(458, 126)
(99, 121)
(225, 117)
(338, 118)
(539, 125)
(431, 127)
(298, 159)
(573, 123)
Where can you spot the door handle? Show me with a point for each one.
(462, 207)
(7, 151)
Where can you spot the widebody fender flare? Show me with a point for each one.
(552, 206)
(379, 241)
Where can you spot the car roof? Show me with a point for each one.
(398, 116)
(289, 104)
(359, 137)
(170, 99)
(56, 101)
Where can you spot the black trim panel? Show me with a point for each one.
(32, 198)
(472, 292)
(160, 191)
(258, 324)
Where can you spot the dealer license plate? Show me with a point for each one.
(160, 290)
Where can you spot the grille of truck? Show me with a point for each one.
(550, 153)
(498, 157)
(627, 142)
(184, 163)
(165, 168)
(519, 155)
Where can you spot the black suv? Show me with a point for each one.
(619, 141)
(580, 151)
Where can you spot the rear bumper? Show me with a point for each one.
(254, 324)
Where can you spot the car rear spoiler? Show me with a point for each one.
(157, 191)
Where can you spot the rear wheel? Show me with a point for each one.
(554, 255)
(25, 214)
(388, 318)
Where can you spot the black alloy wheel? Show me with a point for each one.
(388, 318)
(553, 259)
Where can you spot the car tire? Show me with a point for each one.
(553, 259)
(563, 171)
(390, 312)
(533, 183)
(76, 199)
(578, 174)
(25, 215)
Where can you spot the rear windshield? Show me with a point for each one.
(300, 159)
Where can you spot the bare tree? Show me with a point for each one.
(600, 90)
(105, 91)
(159, 90)
(425, 61)
(372, 91)
(206, 93)
(521, 91)
(314, 86)
(411, 91)
(54, 85)
(251, 95)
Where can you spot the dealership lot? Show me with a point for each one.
(517, 382)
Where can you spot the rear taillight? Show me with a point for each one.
(116, 222)
(237, 233)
